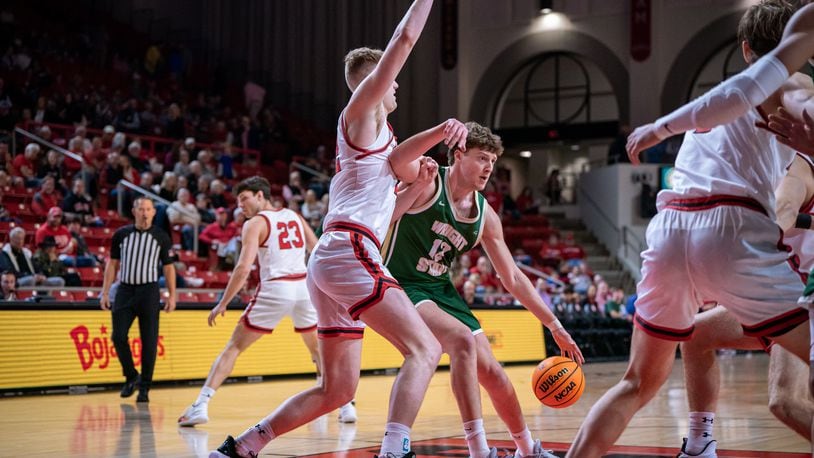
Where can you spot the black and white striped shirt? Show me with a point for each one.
(142, 253)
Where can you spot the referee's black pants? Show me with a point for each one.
(144, 302)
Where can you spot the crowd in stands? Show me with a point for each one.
(142, 118)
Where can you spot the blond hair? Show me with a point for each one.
(479, 137)
(359, 63)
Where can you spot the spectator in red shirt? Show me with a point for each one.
(570, 250)
(551, 251)
(218, 234)
(47, 197)
(525, 202)
(62, 236)
(488, 279)
(24, 165)
(494, 197)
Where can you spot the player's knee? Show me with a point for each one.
(461, 344)
(429, 352)
(643, 388)
(338, 394)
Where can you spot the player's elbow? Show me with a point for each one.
(406, 36)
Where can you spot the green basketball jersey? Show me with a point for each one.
(421, 245)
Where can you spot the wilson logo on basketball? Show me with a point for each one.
(99, 350)
(552, 379)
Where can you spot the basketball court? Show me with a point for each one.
(103, 425)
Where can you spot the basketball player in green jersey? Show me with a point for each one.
(438, 218)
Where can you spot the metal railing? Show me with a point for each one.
(605, 219)
(128, 184)
(76, 157)
(540, 274)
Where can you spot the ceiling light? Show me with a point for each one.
(525, 153)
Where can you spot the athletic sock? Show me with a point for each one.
(524, 442)
(700, 431)
(476, 438)
(255, 438)
(396, 439)
(205, 395)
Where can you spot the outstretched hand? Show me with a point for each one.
(639, 140)
(791, 131)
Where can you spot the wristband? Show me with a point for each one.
(555, 325)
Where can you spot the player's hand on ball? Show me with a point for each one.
(568, 347)
(639, 140)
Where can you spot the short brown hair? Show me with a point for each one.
(479, 137)
(254, 184)
(762, 25)
(357, 62)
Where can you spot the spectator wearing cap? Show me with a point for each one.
(16, 258)
(107, 136)
(56, 229)
(46, 261)
(218, 234)
(47, 197)
(8, 286)
(24, 165)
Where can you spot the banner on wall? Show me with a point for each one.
(640, 23)
(58, 348)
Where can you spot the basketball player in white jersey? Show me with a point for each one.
(713, 240)
(348, 284)
(717, 328)
(278, 239)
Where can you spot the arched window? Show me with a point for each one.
(720, 65)
(556, 88)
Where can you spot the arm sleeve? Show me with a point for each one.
(116, 245)
(728, 100)
(166, 244)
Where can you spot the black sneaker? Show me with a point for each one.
(130, 387)
(228, 449)
(142, 396)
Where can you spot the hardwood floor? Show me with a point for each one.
(103, 425)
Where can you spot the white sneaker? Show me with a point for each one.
(347, 413)
(707, 452)
(537, 452)
(194, 415)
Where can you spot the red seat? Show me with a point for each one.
(207, 297)
(187, 296)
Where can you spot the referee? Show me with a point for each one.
(140, 249)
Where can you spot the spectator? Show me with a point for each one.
(54, 228)
(46, 261)
(128, 119)
(78, 205)
(8, 286)
(184, 213)
(217, 195)
(174, 124)
(204, 207)
(579, 279)
(135, 153)
(551, 251)
(84, 258)
(570, 251)
(181, 168)
(293, 191)
(494, 197)
(47, 197)
(24, 165)
(169, 186)
(16, 258)
(312, 209)
(554, 188)
(525, 202)
(614, 308)
(52, 167)
(469, 293)
(488, 279)
(5, 216)
(218, 235)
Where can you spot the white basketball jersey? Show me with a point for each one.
(363, 189)
(736, 159)
(282, 254)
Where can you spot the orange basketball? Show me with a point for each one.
(558, 382)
